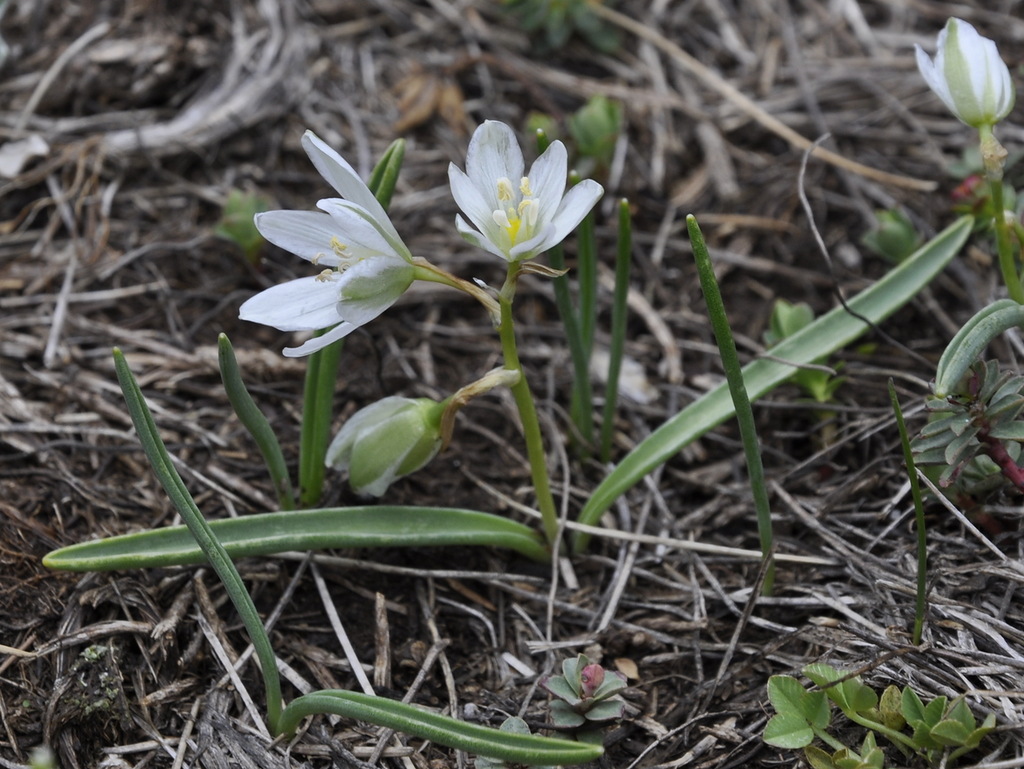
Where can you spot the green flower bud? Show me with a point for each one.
(386, 440)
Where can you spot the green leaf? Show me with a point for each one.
(268, 533)
(889, 708)
(950, 733)
(818, 758)
(788, 730)
(972, 339)
(255, 422)
(850, 695)
(384, 176)
(472, 738)
(826, 335)
(797, 712)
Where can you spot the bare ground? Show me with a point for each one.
(153, 112)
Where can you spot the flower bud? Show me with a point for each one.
(968, 75)
(386, 440)
(591, 678)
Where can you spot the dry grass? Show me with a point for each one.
(153, 112)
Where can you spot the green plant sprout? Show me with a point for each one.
(939, 732)
(894, 236)
(558, 20)
(236, 222)
(586, 698)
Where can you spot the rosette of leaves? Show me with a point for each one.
(586, 697)
(980, 418)
(559, 19)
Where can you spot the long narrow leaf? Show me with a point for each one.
(826, 335)
(737, 391)
(156, 452)
(623, 253)
(255, 422)
(473, 738)
(269, 533)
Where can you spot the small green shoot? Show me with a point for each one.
(586, 697)
(894, 237)
(236, 223)
(939, 733)
(558, 20)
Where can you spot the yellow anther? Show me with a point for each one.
(339, 248)
(504, 189)
(524, 187)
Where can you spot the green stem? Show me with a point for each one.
(215, 553)
(922, 537)
(829, 740)
(993, 155)
(618, 341)
(527, 410)
(317, 415)
(738, 390)
(898, 739)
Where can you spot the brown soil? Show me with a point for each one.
(152, 112)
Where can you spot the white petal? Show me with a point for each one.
(355, 231)
(494, 153)
(575, 205)
(305, 304)
(304, 233)
(340, 175)
(548, 177)
(473, 237)
(320, 342)
(369, 287)
(475, 203)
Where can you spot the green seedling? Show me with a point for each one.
(236, 223)
(894, 236)
(586, 697)
(938, 733)
(558, 20)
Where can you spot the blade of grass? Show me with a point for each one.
(922, 536)
(623, 252)
(160, 460)
(278, 532)
(255, 422)
(826, 335)
(738, 392)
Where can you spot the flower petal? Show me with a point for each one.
(369, 287)
(548, 176)
(340, 175)
(304, 233)
(575, 205)
(475, 238)
(304, 304)
(494, 153)
(473, 201)
(354, 231)
(319, 342)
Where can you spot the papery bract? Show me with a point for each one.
(512, 215)
(366, 266)
(968, 75)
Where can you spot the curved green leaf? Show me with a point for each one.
(278, 532)
(472, 738)
(826, 335)
(966, 347)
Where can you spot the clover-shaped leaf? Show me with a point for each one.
(851, 695)
(798, 713)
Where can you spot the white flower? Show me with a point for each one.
(386, 440)
(968, 75)
(366, 266)
(516, 217)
